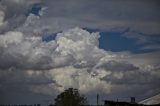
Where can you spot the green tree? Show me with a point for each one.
(70, 97)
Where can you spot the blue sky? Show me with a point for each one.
(110, 40)
(114, 41)
(34, 10)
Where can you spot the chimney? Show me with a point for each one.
(133, 100)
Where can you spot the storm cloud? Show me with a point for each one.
(32, 66)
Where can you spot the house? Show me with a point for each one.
(119, 103)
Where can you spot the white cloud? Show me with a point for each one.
(73, 59)
(13, 13)
(2, 15)
(10, 38)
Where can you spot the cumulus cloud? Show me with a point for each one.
(20, 51)
(2, 15)
(72, 59)
(13, 13)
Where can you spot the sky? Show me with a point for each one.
(105, 47)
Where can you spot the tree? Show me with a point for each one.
(70, 97)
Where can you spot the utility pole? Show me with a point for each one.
(97, 99)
